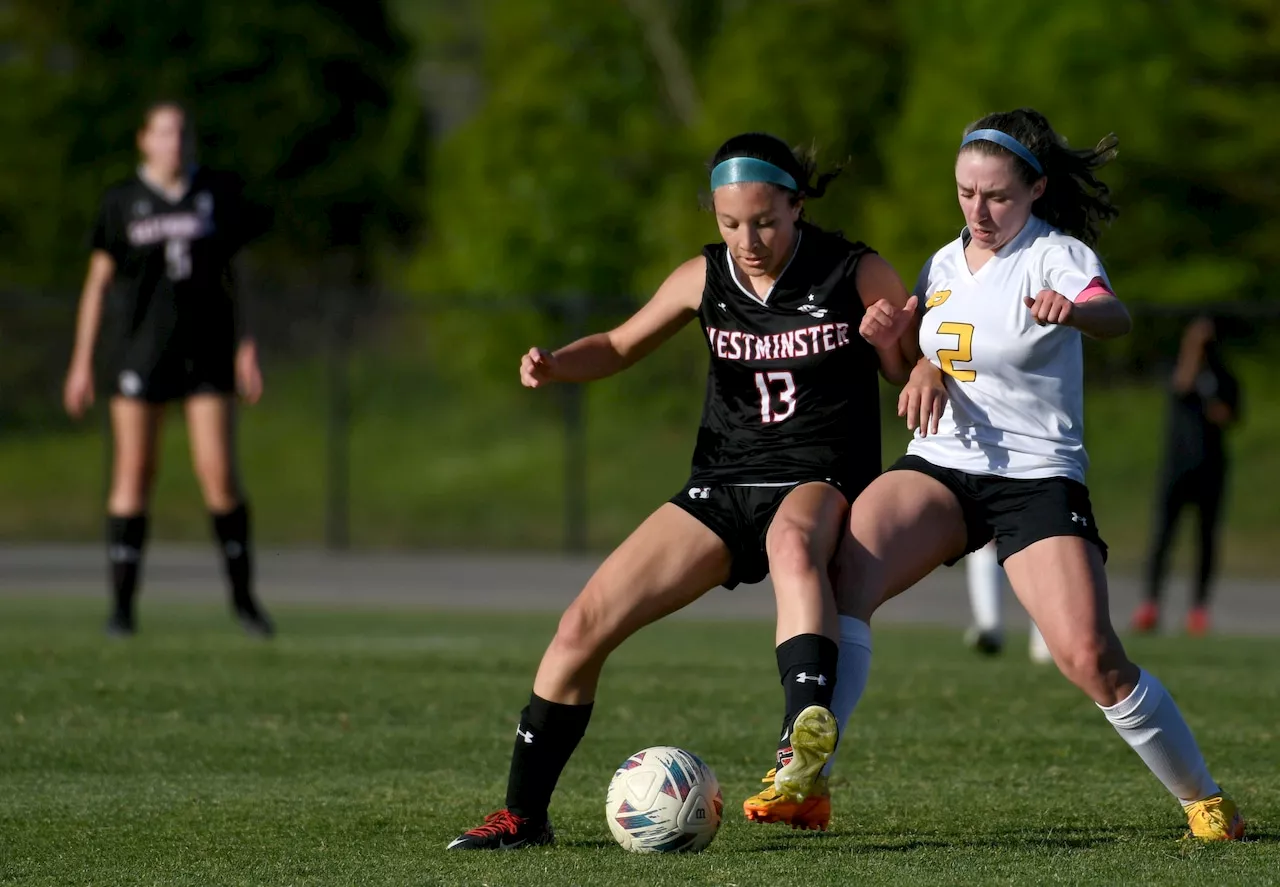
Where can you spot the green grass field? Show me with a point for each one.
(350, 750)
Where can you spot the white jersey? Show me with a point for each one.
(1015, 389)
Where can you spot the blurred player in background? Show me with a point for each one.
(985, 577)
(160, 290)
(999, 402)
(789, 431)
(1204, 402)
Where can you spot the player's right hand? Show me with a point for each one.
(923, 398)
(537, 368)
(77, 392)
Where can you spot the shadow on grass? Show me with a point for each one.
(1024, 839)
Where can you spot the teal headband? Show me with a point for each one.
(1006, 141)
(750, 169)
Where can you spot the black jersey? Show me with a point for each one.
(171, 292)
(792, 392)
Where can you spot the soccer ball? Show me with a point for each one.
(663, 800)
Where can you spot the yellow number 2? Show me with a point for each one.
(963, 352)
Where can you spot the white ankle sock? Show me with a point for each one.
(1150, 722)
(852, 670)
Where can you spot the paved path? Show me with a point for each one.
(522, 583)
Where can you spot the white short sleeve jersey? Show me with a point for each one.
(1015, 388)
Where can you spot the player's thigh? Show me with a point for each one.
(211, 427)
(1062, 583)
(805, 529)
(902, 527)
(135, 439)
(668, 562)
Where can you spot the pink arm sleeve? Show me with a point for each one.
(1096, 287)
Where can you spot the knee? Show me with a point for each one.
(581, 634)
(790, 550)
(857, 579)
(131, 487)
(1097, 665)
(218, 484)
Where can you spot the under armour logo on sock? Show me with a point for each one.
(526, 735)
(233, 550)
(805, 677)
(1077, 519)
(123, 554)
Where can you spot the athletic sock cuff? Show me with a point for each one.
(1139, 705)
(855, 632)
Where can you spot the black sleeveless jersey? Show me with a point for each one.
(792, 391)
(171, 292)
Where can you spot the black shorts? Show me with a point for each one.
(172, 377)
(741, 515)
(1015, 512)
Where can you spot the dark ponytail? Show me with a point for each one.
(1075, 201)
(800, 164)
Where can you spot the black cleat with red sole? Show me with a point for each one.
(505, 831)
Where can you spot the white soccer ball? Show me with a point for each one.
(664, 800)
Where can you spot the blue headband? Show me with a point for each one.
(750, 169)
(1004, 140)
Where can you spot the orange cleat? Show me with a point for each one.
(1198, 622)
(1146, 617)
(770, 805)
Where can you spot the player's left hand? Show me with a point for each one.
(883, 324)
(1050, 307)
(248, 373)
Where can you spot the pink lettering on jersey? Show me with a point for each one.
(735, 345)
(806, 341)
(787, 345)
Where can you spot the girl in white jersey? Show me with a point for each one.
(999, 452)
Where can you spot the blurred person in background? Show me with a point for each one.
(160, 297)
(985, 578)
(1204, 402)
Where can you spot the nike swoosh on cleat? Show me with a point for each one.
(503, 845)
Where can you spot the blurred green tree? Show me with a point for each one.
(313, 104)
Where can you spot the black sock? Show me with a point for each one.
(807, 665)
(545, 740)
(126, 538)
(232, 532)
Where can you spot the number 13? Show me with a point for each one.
(787, 395)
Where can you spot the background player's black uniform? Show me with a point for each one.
(1194, 472)
(169, 323)
(792, 393)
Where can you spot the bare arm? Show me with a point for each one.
(1102, 317)
(101, 270)
(77, 392)
(604, 354)
(248, 372)
(888, 322)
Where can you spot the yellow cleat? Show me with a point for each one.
(1215, 819)
(770, 805)
(813, 740)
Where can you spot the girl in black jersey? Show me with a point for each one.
(789, 433)
(160, 290)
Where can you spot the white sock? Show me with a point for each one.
(984, 588)
(1152, 725)
(852, 670)
(1039, 651)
